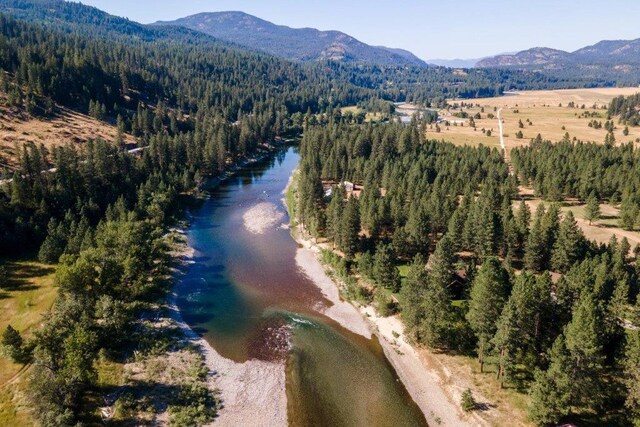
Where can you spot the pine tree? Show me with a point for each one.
(535, 248)
(488, 296)
(350, 230)
(551, 390)
(522, 221)
(632, 375)
(13, 342)
(592, 209)
(334, 214)
(550, 229)
(413, 294)
(438, 314)
(385, 272)
(506, 343)
(584, 340)
(570, 245)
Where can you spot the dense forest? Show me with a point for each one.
(526, 293)
(198, 105)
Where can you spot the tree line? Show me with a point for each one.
(584, 171)
(526, 293)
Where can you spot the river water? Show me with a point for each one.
(247, 297)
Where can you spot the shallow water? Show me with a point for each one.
(247, 297)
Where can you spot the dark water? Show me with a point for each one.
(246, 296)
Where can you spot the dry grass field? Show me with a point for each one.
(26, 293)
(542, 112)
(355, 110)
(66, 127)
(462, 133)
(600, 231)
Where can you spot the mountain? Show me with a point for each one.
(299, 44)
(621, 55)
(537, 56)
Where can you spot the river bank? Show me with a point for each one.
(437, 395)
(250, 393)
(253, 392)
(432, 387)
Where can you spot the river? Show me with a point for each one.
(246, 296)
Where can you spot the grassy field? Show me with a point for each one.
(25, 295)
(542, 112)
(369, 117)
(602, 230)
(66, 127)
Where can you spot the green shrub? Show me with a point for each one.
(468, 403)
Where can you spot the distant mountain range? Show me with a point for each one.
(298, 44)
(621, 55)
(455, 63)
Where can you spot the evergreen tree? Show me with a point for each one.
(584, 341)
(437, 326)
(350, 229)
(413, 294)
(488, 296)
(13, 342)
(506, 342)
(592, 209)
(535, 248)
(385, 272)
(632, 375)
(551, 390)
(570, 245)
(522, 220)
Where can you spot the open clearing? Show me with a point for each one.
(66, 127)
(540, 113)
(600, 231)
(26, 293)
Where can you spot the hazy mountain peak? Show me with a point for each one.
(299, 44)
(604, 53)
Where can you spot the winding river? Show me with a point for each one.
(247, 297)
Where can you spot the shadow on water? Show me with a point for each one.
(246, 296)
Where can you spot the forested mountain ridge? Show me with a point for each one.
(537, 56)
(620, 55)
(303, 44)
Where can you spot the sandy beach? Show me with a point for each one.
(252, 393)
(436, 394)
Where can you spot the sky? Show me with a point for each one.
(430, 29)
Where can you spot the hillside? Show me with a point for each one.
(64, 126)
(536, 57)
(621, 56)
(299, 44)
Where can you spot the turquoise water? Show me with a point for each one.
(248, 299)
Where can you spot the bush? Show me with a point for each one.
(195, 405)
(385, 305)
(468, 403)
(14, 346)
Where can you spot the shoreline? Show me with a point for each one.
(250, 393)
(434, 393)
(431, 388)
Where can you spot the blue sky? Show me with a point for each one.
(429, 28)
